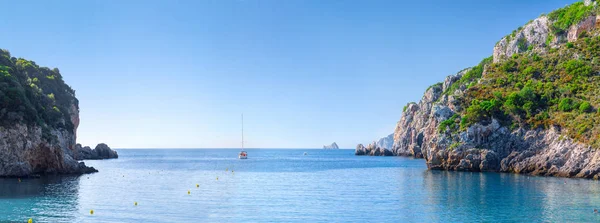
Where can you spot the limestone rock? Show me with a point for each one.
(332, 146)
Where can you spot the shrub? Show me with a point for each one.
(449, 123)
(522, 44)
(578, 68)
(565, 105)
(585, 107)
(569, 45)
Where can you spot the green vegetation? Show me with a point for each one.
(454, 145)
(563, 18)
(560, 88)
(522, 44)
(472, 75)
(33, 95)
(450, 123)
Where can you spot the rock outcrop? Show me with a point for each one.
(39, 116)
(24, 152)
(538, 36)
(418, 123)
(386, 142)
(102, 151)
(489, 145)
(332, 146)
(372, 150)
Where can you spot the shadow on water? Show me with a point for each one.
(31, 187)
(484, 196)
(41, 198)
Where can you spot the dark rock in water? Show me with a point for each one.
(102, 151)
(86, 169)
(360, 150)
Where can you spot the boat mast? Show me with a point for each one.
(242, 131)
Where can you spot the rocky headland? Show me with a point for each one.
(530, 108)
(39, 116)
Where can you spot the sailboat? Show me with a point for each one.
(243, 154)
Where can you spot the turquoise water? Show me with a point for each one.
(286, 186)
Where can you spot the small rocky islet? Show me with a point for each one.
(332, 146)
(39, 116)
(532, 107)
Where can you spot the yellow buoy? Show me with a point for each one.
(19, 180)
(91, 211)
(197, 185)
(217, 178)
(135, 203)
(227, 169)
(30, 220)
(188, 191)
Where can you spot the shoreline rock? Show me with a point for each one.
(24, 152)
(372, 150)
(102, 151)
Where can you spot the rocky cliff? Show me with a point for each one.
(531, 108)
(39, 116)
(386, 142)
(332, 146)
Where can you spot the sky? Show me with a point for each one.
(179, 74)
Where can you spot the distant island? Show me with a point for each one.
(39, 116)
(532, 107)
(332, 146)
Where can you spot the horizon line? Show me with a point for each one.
(224, 148)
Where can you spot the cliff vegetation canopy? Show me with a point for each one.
(559, 88)
(34, 95)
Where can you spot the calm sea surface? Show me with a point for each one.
(286, 186)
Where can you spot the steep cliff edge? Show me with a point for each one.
(39, 116)
(530, 108)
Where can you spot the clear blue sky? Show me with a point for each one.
(178, 74)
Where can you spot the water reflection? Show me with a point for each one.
(457, 196)
(45, 198)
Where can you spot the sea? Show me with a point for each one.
(287, 185)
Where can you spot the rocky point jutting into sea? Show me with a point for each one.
(39, 116)
(530, 108)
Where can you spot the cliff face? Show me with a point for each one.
(39, 117)
(522, 111)
(539, 35)
(386, 142)
(24, 152)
